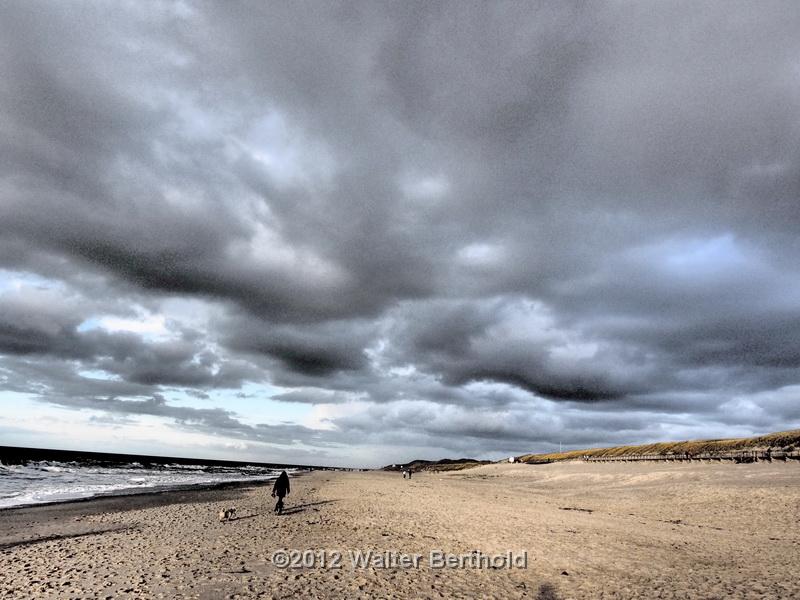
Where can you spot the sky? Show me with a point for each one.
(361, 233)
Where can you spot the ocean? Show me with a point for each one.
(44, 481)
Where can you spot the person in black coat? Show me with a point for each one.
(280, 489)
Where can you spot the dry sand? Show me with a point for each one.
(673, 530)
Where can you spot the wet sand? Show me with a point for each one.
(589, 530)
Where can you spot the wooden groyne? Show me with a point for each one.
(735, 456)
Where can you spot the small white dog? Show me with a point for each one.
(227, 514)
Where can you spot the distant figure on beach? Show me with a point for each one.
(280, 489)
(409, 473)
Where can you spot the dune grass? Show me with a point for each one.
(447, 464)
(784, 440)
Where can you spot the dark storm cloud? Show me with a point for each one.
(590, 204)
(316, 350)
(46, 324)
(512, 341)
(55, 378)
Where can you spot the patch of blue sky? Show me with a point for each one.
(15, 404)
(89, 324)
(14, 280)
(721, 259)
(287, 153)
(97, 374)
(252, 404)
(707, 255)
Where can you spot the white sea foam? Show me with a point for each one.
(50, 481)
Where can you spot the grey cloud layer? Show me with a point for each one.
(595, 205)
(47, 324)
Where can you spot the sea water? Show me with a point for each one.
(38, 482)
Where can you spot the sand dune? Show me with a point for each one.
(675, 530)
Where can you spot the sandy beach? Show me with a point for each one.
(672, 530)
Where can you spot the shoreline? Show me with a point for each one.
(153, 491)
